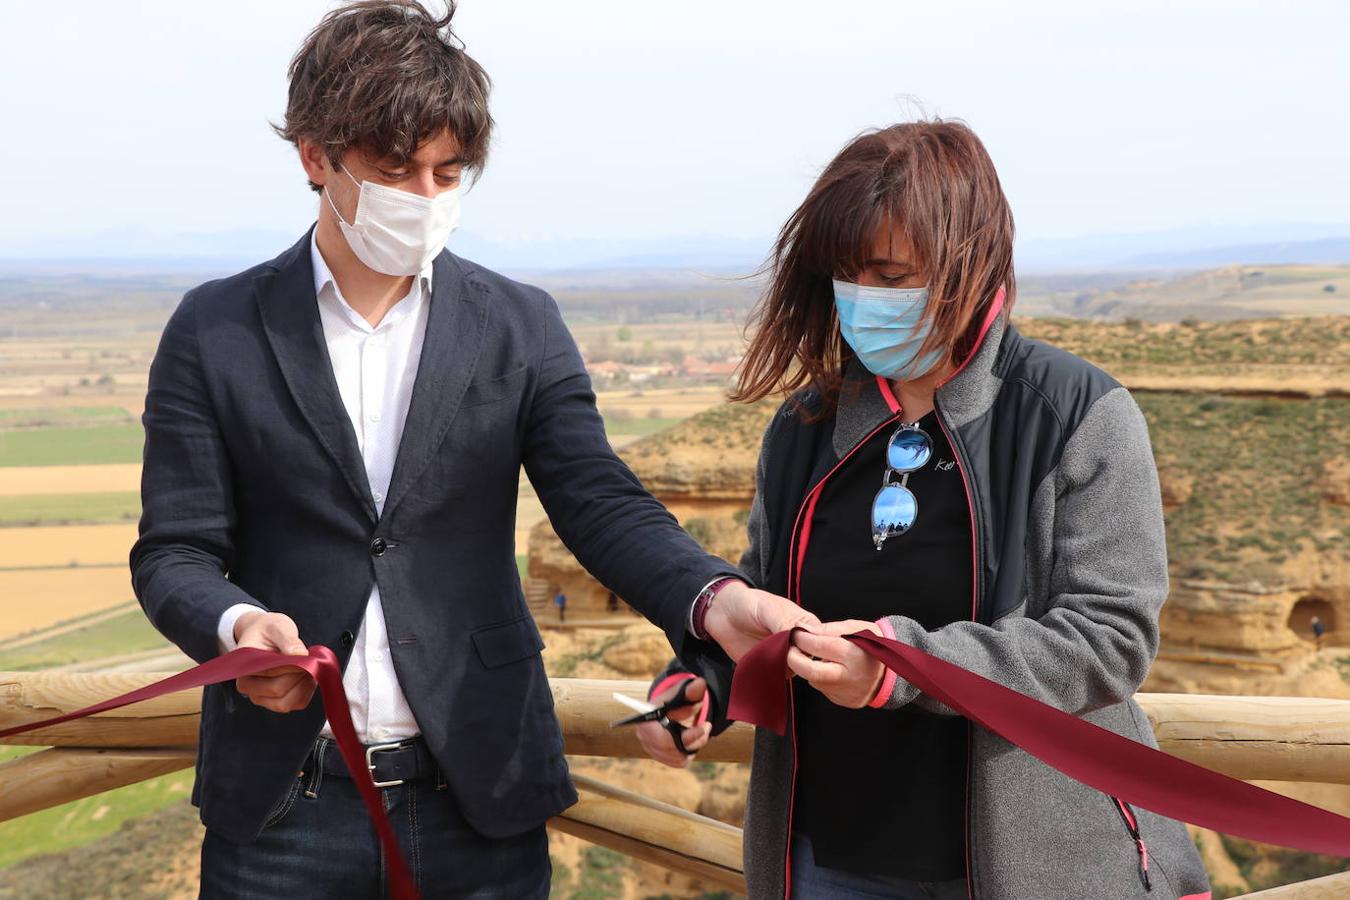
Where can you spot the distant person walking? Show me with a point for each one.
(560, 601)
(1318, 629)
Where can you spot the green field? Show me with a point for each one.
(82, 821)
(129, 632)
(101, 444)
(51, 416)
(69, 509)
(1253, 465)
(72, 446)
(643, 427)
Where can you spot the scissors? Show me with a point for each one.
(647, 712)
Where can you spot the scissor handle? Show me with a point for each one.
(677, 735)
(681, 699)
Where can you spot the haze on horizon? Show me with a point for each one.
(649, 124)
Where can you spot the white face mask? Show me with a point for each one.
(396, 232)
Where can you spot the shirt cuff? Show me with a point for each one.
(225, 629)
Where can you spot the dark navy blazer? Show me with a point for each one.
(254, 490)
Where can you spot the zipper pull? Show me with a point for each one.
(1143, 863)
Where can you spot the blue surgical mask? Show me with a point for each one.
(885, 327)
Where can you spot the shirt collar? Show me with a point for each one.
(323, 277)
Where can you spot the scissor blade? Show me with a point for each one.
(634, 704)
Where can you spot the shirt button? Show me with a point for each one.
(377, 497)
(378, 546)
(377, 656)
(374, 417)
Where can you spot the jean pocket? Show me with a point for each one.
(284, 804)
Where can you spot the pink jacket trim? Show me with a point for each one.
(888, 683)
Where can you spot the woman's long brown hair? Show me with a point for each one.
(932, 179)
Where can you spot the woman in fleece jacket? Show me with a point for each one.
(939, 479)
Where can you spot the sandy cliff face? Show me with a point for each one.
(1257, 545)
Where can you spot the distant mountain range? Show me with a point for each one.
(1190, 248)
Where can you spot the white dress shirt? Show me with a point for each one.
(375, 367)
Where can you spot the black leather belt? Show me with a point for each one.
(389, 764)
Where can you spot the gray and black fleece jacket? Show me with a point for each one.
(1070, 576)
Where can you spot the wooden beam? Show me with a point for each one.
(586, 706)
(655, 832)
(1252, 738)
(51, 777)
(1256, 738)
(1325, 888)
(163, 722)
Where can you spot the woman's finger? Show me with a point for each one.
(816, 671)
(847, 626)
(835, 649)
(696, 737)
(660, 746)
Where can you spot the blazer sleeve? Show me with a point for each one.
(611, 524)
(1096, 639)
(180, 561)
(706, 659)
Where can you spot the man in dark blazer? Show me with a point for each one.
(333, 447)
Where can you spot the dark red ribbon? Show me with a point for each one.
(1085, 752)
(323, 666)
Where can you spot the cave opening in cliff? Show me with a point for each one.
(1308, 609)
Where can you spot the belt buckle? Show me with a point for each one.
(370, 765)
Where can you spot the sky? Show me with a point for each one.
(640, 123)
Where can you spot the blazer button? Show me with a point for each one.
(378, 546)
(347, 639)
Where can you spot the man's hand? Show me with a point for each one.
(741, 616)
(837, 668)
(659, 743)
(284, 688)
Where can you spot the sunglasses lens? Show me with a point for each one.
(893, 512)
(909, 449)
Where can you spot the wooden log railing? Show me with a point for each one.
(1252, 738)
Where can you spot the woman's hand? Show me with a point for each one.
(659, 743)
(840, 669)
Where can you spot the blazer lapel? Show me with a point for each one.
(456, 324)
(290, 317)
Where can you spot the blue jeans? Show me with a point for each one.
(812, 882)
(318, 843)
